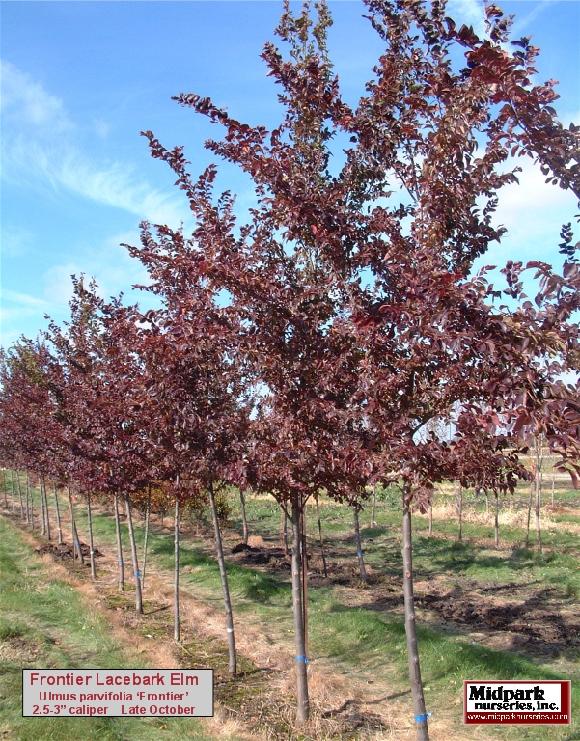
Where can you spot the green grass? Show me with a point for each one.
(46, 624)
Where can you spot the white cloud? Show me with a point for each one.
(34, 157)
(22, 299)
(15, 241)
(102, 128)
(16, 307)
(57, 285)
(534, 207)
(469, 12)
(109, 263)
(523, 22)
(533, 212)
(27, 102)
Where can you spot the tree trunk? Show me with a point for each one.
(58, 520)
(45, 500)
(304, 558)
(244, 519)
(284, 533)
(320, 540)
(530, 500)
(374, 507)
(91, 540)
(421, 718)
(538, 505)
(459, 507)
(20, 495)
(31, 496)
(134, 559)
(5, 487)
(74, 531)
(42, 514)
(177, 619)
(430, 531)
(303, 703)
(359, 550)
(27, 499)
(553, 485)
(496, 521)
(120, 559)
(13, 498)
(146, 540)
(225, 586)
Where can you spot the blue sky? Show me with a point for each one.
(81, 79)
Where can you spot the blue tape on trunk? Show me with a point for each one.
(359, 553)
(138, 574)
(422, 718)
(302, 659)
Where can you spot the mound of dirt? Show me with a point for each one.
(272, 557)
(538, 619)
(65, 551)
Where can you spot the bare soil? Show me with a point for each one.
(65, 551)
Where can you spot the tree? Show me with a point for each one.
(195, 388)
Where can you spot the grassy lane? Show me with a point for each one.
(45, 623)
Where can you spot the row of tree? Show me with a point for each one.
(322, 341)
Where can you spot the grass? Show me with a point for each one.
(46, 624)
(368, 639)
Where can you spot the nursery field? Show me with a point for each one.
(315, 426)
(483, 612)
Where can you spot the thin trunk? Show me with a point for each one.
(538, 505)
(359, 550)
(553, 485)
(74, 531)
(304, 555)
(5, 487)
(46, 512)
(496, 521)
(91, 540)
(486, 504)
(58, 520)
(177, 620)
(120, 559)
(20, 495)
(27, 500)
(13, 497)
(244, 519)
(146, 540)
(225, 586)
(320, 540)
(374, 507)
(421, 718)
(285, 532)
(134, 559)
(42, 514)
(430, 531)
(459, 507)
(28, 489)
(303, 703)
(530, 501)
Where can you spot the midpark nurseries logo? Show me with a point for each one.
(517, 702)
